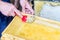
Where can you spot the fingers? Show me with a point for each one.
(29, 8)
(18, 13)
(23, 3)
(11, 10)
(14, 11)
(27, 11)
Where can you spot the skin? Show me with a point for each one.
(8, 9)
(26, 8)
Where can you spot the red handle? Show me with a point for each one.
(24, 18)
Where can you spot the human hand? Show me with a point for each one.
(26, 8)
(9, 9)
